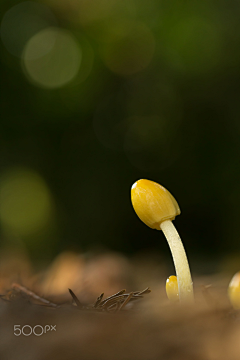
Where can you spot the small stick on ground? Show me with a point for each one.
(99, 299)
(126, 301)
(112, 303)
(19, 289)
(78, 303)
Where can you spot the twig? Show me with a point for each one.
(99, 299)
(126, 301)
(78, 303)
(23, 290)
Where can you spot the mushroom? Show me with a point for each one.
(156, 207)
(234, 291)
(172, 288)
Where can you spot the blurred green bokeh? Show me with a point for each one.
(97, 94)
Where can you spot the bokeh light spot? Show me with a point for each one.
(93, 10)
(129, 48)
(193, 44)
(52, 58)
(23, 21)
(25, 202)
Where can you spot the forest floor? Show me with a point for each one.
(41, 319)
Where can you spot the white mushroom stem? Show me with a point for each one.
(185, 285)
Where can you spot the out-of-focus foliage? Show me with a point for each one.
(97, 94)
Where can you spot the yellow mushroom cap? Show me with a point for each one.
(234, 291)
(172, 288)
(153, 203)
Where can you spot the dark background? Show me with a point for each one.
(155, 96)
